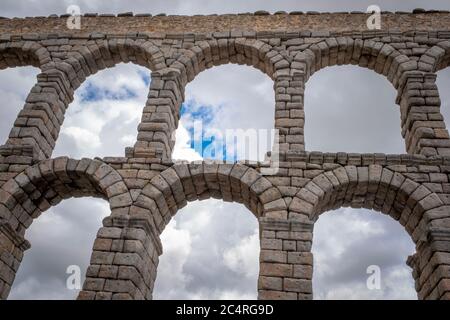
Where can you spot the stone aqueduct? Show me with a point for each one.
(145, 189)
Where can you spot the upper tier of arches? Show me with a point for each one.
(66, 63)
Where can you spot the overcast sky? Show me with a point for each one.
(211, 248)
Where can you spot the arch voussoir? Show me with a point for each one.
(23, 53)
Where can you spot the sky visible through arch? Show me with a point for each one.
(211, 249)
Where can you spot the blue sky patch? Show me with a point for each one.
(145, 76)
(94, 93)
(196, 112)
(208, 147)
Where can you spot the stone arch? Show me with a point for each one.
(86, 59)
(23, 53)
(171, 190)
(170, 84)
(325, 52)
(47, 183)
(161, 115)
(39, 123)
(419, 210)
(374, 55)
(371, 187)
(152, 210)
(154, 207)
(214, 52)
(423, 130)
(42, 186)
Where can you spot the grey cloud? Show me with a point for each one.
(15, 84)
(383, 242)
(206, 274)
(63, 236)
(353, 109)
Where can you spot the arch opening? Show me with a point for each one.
(360, 254)
(103, 118)
(211, 251)
(62, 239)
(224, 118)
(173, 189)
(43, 186)
(355, 109)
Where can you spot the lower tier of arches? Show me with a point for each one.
(126, 251)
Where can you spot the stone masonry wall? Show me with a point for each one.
(420, 19)
(146, 187)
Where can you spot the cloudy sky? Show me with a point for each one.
(13, 8)
(211, 248)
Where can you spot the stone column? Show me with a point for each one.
(156, 137)
(12, 248)
(286, 261)
(289, 112)
(423, 125)
(124, 261)
(431, 265)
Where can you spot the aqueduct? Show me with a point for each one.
(146, 188)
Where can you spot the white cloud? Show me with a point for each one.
(223, 90)
(128, 139)
(235, 295)
(52, 289)
(177, 248)
(61, 237)
(183, 150)
(104, 116)
(210, 250)
(241, 257)
(82, 137)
